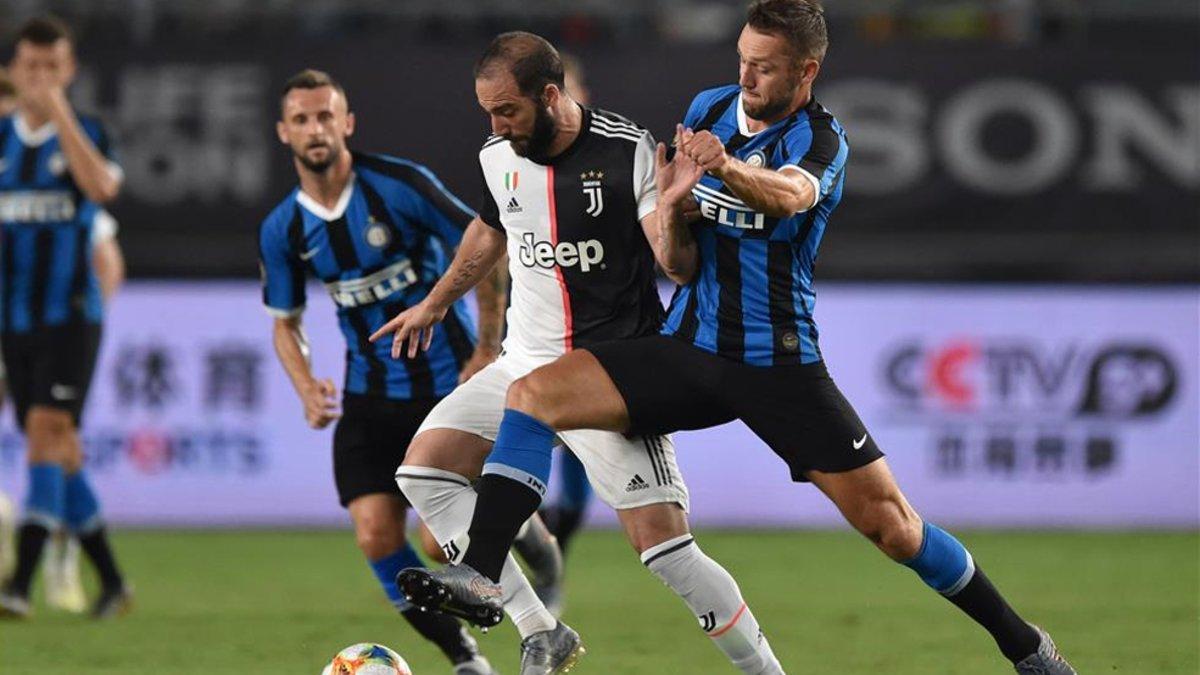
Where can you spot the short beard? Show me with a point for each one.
(542, 136)
(770, 108)
(321, 166)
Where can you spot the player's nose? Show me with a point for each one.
(498, 126)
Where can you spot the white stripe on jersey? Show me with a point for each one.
(615, 125)
(626, 136)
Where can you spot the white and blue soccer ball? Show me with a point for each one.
(367, 658)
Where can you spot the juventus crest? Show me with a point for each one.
(593, 187)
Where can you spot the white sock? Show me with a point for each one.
(714, 598)
(446, 503)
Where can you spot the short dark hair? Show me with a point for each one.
(310, 78)
(531, 59)
(44, 31)
(800, 22)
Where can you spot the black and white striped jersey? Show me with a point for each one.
(582, 270)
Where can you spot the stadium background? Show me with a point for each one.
(1010, 292)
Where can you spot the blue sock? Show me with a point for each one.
(943, 563)
(522, 451)
(46, 502)
(387, 568)
(576, 490)
(82, 513)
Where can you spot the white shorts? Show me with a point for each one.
(626, 472)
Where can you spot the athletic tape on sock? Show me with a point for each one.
(82, 514)
(387, 568)
(943, 563)
(46, 501)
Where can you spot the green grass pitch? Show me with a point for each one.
(284, 602)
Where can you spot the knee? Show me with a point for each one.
(51, 435)
(378, 538)
(893, 526)
(649, 526)
(529, 395)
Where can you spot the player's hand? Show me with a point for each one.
(479, 360)
(49, 100)
(320, 403)
(704, 148)
(675, 179)
(415, 325)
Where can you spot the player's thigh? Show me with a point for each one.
(628, 472)
(665, 384)
(571, 392)
(458, 433)
(369, 442)
(799, 412)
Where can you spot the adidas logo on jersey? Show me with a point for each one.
(638, 483)
(585, 254)
(513, 206)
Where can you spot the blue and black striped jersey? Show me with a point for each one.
(46, 230)
(752, 299)
(378, 251)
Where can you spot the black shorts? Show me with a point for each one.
(669, 385)
(370, 441)
(51, 367)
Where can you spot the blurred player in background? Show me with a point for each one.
(8, 512)
(740, 341)
(565, 516)
(56, 171)
(378, 231)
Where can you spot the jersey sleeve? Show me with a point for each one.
(282, 272)
(645, 190)
(489, 212)
(818, 152)
(435, 208)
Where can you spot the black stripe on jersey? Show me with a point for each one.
(378, 210)
(419, 181)
(459, 339)
(342, 244)
(295, 238)
(716, 111)
(782, 306)
(731, 329)
(79, 279)
(29, 160)
(420, 374)
(690, 323)
(376, 368)
(43, 261)
(5, 130)
(658, 477)
(825, 141)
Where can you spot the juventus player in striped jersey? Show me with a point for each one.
(571, 192)
(740, 341)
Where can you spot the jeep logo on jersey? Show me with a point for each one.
(543, 254)
(726, 209)
(594, 189)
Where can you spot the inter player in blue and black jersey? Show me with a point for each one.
(56, 169)
(766, 163)
(378, 232)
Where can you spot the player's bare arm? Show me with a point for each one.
(775, 193)
(669, 228)
(482, 246)
(492, 297)
(110, 266)
(319, 397)
(93, 173)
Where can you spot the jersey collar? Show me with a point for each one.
(743, 125)
(339, 209)
(32, 137)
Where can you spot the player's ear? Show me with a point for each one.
(349, 124)
(281, 131)
(550, 95)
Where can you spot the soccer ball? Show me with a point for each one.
(367, 658)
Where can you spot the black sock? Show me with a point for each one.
(503, 506)
(567, 523)
(31, 539)
(982, 602)
(444, 631)
(95, 545)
